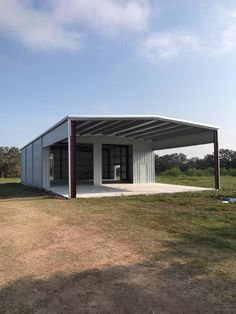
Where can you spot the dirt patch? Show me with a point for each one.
(38, 244)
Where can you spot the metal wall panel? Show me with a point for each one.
(108, 140)
(186, 140)
(37, 164)
(143, 158)
(56, 135)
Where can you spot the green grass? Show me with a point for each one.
(200, 219)
(227, 182)
(12, 188)
(197, 218)
(9, 180)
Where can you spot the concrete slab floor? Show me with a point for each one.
(112, 190)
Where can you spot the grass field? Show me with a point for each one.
(9, 180)
(146, 254)
(227, 182)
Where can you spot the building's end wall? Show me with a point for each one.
(32, 156)
(143, 156)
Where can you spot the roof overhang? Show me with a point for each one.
(163, 132)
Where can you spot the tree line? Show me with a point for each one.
(177, 163)
(10, 163)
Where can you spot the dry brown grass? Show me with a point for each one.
(154, 254)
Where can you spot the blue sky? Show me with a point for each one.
(172, 58)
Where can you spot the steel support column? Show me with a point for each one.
(73, 160)
(216, 161)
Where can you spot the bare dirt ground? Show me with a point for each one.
(59, 256)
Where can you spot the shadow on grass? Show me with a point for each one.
(18, 190)
(223, 238)
(137, 288)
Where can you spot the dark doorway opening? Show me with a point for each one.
(84, 164)
(117, 163)
(59, 164)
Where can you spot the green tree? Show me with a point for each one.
(163, 163)
(226, 158)
(9, 162)
(166, 162)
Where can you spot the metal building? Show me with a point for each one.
(81, 150)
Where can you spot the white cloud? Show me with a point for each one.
(106, 16)
(167, 45)
(219, 38)
(225, 42)
(61, 24)
(64, 24)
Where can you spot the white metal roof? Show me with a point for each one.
(164, 132)
(137, 117)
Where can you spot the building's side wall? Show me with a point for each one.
(29, 165)
(32, 156)
(143, 156)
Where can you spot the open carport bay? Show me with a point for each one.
(125, 189)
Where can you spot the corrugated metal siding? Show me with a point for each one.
(56, 135)
(107, 140)
(186, 140)
(29, 165)
(143, 156)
